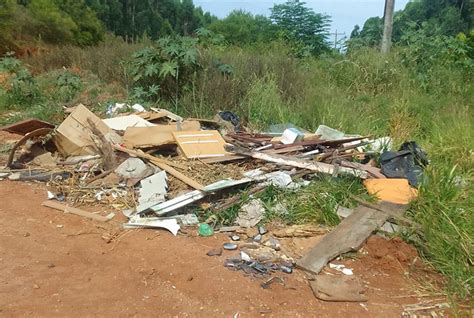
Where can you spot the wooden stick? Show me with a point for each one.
(162, 164)
(99, 176)
(234, 199)
(72, 210)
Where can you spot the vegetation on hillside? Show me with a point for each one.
(421, 91)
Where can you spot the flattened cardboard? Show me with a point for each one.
(123, 122)
(200, 144)
(74, 137)
(158, 135)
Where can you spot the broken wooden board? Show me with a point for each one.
(200, 144)
(72, 210)
(299, 163)
(26, 126)
(152, 116)
(167, 113)
(300, 230)
(349, 235)
(372, 171)
(338, 288)
(146, 137)
(74, 136)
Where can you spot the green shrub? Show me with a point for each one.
(22, 88)
(163, 70)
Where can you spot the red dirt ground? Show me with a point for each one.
(52, 264)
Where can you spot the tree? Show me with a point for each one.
(301, 24)
(7, 8)
(132, 19)
(355, 32)
(436, 17)
(53, 24)
(243, 28)
(88, 30)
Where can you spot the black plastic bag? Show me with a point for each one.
(230, 117)
(409, 163)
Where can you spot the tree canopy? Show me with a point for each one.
(84, 22)
(301, 24)
(291, 21)
(436, 17)
(133, 19)
(243, 28)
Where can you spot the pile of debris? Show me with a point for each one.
(153, 164)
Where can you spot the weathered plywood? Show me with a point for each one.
(200, 144)
(159, 135)
(349, 235)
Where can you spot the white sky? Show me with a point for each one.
(345, 13)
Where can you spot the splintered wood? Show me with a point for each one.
(200, 144)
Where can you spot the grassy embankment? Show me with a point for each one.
(364, 93)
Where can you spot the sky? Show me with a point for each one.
(345, 14)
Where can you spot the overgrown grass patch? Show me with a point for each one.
(444, 209)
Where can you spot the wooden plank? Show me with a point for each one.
(374, 171)
(162, 164)
(200, 144)
(72, 210)
(349, 235)
(299, 163)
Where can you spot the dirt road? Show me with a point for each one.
(53, 264)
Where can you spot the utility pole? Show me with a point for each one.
(388, 26)
(335, 38)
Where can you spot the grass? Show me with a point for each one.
(364, 93)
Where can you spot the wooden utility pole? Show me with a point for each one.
(335, 38)
(388, 26)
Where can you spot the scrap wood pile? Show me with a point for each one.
(154, 165)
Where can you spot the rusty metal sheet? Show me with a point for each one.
(26, 126)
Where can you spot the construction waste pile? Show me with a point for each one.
(158, 169)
